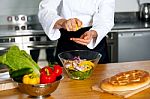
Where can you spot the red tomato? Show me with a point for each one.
(57, 70)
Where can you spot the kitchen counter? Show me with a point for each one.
(131, 26)
(81, 89)
(129, 21)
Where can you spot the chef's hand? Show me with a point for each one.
(72, 24)
(86, 38)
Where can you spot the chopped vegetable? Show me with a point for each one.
(85, 66)
(79, 68)
(31, 79)
(79, 75)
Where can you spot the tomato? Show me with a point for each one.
(57, 70)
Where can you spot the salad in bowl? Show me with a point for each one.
(79, 64)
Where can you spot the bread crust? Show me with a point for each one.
(124, 81)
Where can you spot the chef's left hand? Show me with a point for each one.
(86, 38)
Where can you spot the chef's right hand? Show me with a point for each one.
(72, 24)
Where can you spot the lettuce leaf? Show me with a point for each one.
(16, 59)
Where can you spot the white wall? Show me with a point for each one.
(11, 7)
(128, 5)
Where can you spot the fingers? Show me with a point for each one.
(72, 24)
(84, 39)
(80, 41)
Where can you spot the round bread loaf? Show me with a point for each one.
(124, 81)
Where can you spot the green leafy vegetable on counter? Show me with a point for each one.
(17, 59)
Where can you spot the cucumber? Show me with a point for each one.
(18, 79)
(21, 72)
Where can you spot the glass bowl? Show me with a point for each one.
(39, 90)
(79, 64)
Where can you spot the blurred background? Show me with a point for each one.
(128, 40)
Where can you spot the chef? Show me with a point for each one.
(78, 24)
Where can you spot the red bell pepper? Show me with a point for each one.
(49, 69)
(57, 70)
(47, 76)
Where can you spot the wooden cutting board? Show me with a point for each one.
(124, 94)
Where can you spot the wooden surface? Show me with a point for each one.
(81, 89)
(124, 94)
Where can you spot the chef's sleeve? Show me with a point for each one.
(103, 21)
(48, 16)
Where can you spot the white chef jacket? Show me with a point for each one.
(98, 12)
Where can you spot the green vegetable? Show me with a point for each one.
(17, 59)
(79, 74)
(20, 72)
(18, 79)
